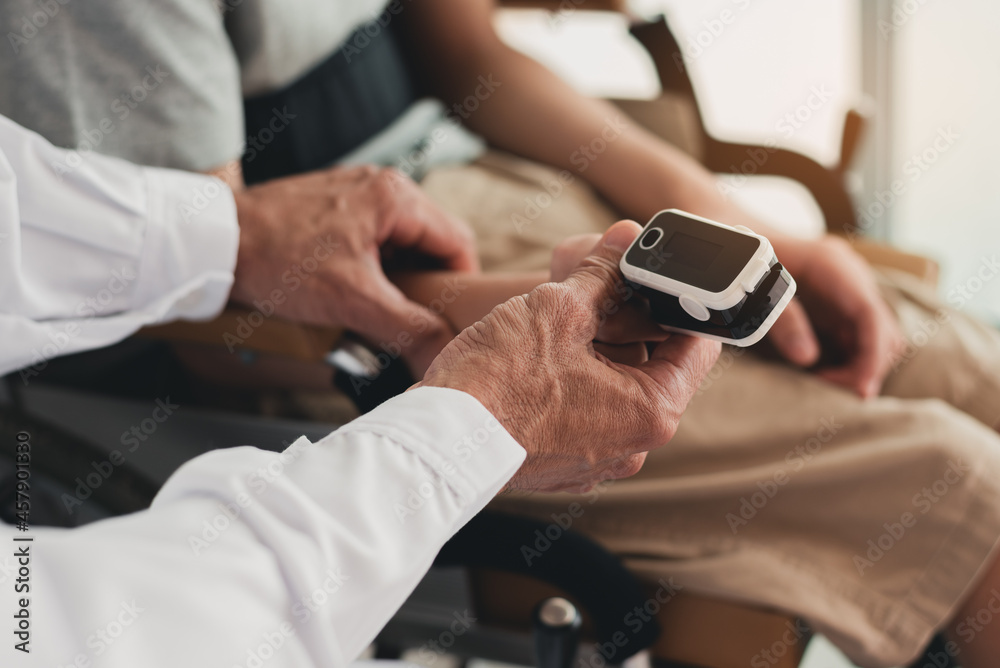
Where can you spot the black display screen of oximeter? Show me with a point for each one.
(691, 251)
(698, 254)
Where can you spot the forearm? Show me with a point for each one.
(637, 172)
(315, 548)
(533, 113)
(641, 178)
(95, 251)
(461, 298)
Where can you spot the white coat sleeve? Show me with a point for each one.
(92, 248)
(251, 558)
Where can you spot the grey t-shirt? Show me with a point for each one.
(159, 82)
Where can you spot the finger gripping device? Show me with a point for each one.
(708, 279)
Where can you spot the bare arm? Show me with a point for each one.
(463, 298)
(529, 111)
(533, 113)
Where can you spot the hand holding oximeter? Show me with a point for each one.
(708, 279)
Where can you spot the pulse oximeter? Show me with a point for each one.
(708, 279)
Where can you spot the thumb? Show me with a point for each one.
(597, 280)
(402, 327)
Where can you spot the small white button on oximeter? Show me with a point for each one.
(694, 308)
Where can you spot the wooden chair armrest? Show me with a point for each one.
(881, 255)
(242, 329)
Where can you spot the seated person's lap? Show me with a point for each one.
(780, 488)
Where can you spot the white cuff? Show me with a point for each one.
(190, 245)
(455, 436)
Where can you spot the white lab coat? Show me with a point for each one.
(246, 558)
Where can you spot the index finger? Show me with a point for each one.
(426, 228)
(680, 364)
(448, 239)
(866, 370)
(389, 319)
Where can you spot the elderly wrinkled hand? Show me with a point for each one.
(313, 246)
(582, 417)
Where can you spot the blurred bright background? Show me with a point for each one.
(922, 69)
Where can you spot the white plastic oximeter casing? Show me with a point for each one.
(708, 279)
